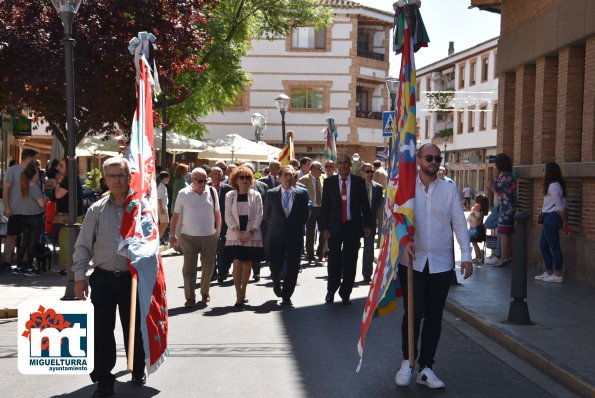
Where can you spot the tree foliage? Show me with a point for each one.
(231, 27)
(32, 58)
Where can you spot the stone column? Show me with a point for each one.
(506, 111)
(524, 105)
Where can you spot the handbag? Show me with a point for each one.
(474, 233)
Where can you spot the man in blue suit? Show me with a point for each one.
(286, 213)
(345, 218)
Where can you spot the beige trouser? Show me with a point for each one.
(192, 246)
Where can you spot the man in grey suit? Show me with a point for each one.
(374, 191)
(286, 213)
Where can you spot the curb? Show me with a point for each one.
(523, 349)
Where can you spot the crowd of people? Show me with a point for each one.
(231, 219)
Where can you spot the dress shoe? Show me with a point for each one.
(286, 302)
(256, 278)
(206, 298)
(139, 381)
(367, 280)
(221, 278)
(190, 302)
(277, 289)
(330, 297)
(104, 389)
(320, 259)
(345, 299)
(239, 305)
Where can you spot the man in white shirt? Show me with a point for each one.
(198, 208)
(162, 204)
(438, 213)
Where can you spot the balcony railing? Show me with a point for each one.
(370, 54)
(369, 115)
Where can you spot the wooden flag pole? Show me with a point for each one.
(132, 325)
(410, 316)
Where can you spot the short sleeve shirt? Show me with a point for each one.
(29, 205)
(13, 176)
(162, 195)
(197, 210)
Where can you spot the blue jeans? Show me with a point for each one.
(491, 222)
(549, 242)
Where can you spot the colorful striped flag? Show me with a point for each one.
(288, 151)
(330, 148)
(139, 225)
(400, 193)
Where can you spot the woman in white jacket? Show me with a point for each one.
(243, 215)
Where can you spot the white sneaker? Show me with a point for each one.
(491, 260)
(542, 276)
(403, 377)
(429, 378)
(553, 278)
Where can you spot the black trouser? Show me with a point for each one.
(223, 265)
(311, 235)
(368, 257)
(291, 256)
(107, 292)
(342, 259)
(429, 298)
(31, 229)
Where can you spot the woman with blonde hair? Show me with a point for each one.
(243, 216)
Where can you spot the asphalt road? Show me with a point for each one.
(309, 350)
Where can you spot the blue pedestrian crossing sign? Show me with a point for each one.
(388, 120)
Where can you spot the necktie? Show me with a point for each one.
(318, 193)
(286, 202)
(344, 200)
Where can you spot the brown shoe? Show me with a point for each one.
(190, 302)
(206, 298)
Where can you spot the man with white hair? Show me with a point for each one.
(199, 211)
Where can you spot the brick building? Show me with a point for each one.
(546, 112)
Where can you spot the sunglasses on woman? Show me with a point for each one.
(244, 177)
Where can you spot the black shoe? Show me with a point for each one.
(345, 299)
(104, 389)
(139, 381)
(221, 278)
(256, 278)
(367, 281)
(277, 289)
(330, 297)
(286, 302)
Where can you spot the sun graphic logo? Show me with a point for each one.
(56, 337)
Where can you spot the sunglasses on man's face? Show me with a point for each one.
(196, 180)
(430, 158)
(369, 171)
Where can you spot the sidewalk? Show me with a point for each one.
(561, 343)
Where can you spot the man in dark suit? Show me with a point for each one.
(345, 218)
(374, 191)
(222, 266)
(272, 179)
(286, 213)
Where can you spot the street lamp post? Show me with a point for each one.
(445, 139)
(282, 102)
(258, 122)
(164, 127)
(67, 9)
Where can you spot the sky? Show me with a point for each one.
(445, 20)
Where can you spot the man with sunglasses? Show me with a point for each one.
(374, 191)
(438, 213)
(198, 209)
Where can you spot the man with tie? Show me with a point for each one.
(272, 179)
(374, 191)
(345, 218)
(286, 212)
(313, 182)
